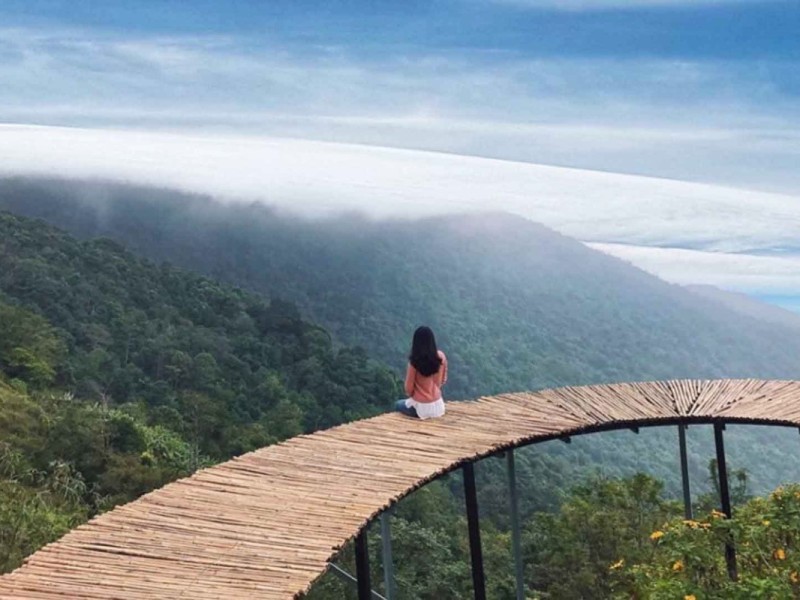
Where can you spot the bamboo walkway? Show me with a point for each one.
(264, 525)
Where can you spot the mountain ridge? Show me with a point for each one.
(748, 305)
(476, 279)
(515, 305)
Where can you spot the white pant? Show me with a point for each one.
(427, 410)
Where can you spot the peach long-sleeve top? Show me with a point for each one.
(426, 389)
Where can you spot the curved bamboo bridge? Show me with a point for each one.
(265, 525)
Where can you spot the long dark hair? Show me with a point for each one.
(424, 355)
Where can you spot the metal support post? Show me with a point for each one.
(388, 564)
(362, 566)
(725, 498)
(516, 544)
(687, 493)
(473, 524)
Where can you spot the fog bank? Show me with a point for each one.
(684, 232)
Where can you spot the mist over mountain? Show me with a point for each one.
(516, 305)
(220, 224)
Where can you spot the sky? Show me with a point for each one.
(701, 91)
(709, 87)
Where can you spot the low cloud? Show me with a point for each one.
(763, 276)
(683, 232)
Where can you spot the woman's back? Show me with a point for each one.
(425, 376)
(426, 388)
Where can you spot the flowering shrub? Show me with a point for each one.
(688, 561)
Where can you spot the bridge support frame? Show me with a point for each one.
(362, 566)
(725, 497)
(516, 544)
(687, 492)
(474, 527)
(388, 563)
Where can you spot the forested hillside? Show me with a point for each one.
(118, 375)
(515, 305)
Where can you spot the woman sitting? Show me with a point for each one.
(425, 376)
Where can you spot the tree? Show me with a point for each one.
(600, 523)
(29, 347)
(688, 559)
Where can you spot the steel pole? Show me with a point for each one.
(687, 493)
(516, 545)
(362, 566)
(388, 564)
(473, 525)
(725, 498)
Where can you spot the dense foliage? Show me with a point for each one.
(602, 521)
(117, 375)
(685, 561)
(220, 366)
(515, 305)
(64, 459)
(610, 538)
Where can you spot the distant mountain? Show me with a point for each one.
(746, 305)
(515, 305)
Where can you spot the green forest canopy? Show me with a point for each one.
(515, 305)
(119, 375)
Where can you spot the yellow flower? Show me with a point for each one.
(678, 566)
(656, 535)
(779, 554)
(765, 523)
(717, 514)
(618, 565)
(691, 523)
(794, 577)
(690, 597)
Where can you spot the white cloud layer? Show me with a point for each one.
(713, 121)
(758, 275)
(685, 232)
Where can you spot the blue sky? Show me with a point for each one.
(723, 29)
(710, 87)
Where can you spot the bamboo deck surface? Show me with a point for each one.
(264, 525)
